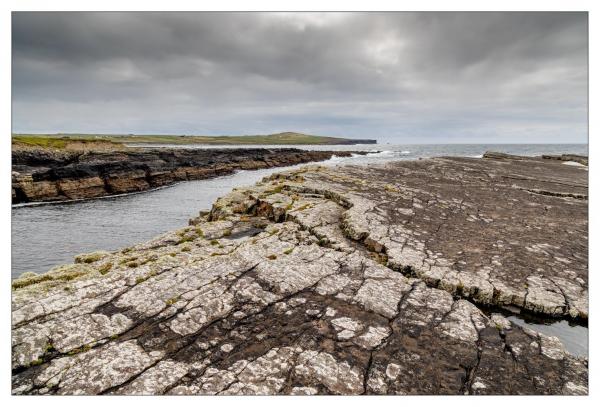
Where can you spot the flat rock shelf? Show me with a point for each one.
(347, 280)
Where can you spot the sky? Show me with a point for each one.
(460, 77)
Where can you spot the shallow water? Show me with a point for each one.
(574, 337)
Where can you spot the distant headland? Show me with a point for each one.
(59, 140)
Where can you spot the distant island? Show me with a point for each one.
(287, 138)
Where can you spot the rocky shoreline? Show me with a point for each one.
(347, 280)
(44, 175)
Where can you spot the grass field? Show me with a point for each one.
(60, 141)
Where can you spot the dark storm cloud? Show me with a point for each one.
(412, 77)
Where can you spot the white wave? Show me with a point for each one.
(337, 158)
(385, 153)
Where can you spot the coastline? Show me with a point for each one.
(42, 175)
(336, 256)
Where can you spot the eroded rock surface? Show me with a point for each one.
(41, 175)
(321, 281)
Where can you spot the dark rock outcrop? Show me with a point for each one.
(351, 280)
(580, 159)
(48, 175)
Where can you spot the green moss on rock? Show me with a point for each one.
(67, 272)
(105, 268)
(91, 257)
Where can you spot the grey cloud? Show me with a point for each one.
(405, 77)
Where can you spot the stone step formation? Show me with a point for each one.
(339, 280)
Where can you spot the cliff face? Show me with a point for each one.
(353, 280)
(44, 175)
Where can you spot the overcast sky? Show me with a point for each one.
(397, 77)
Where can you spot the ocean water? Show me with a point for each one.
(389, 152)
(47, 235)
